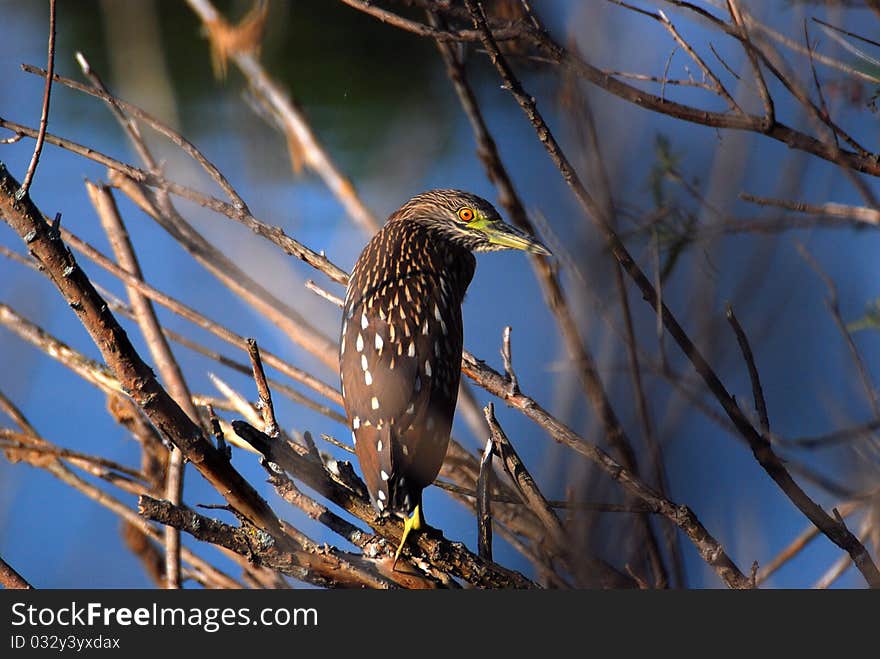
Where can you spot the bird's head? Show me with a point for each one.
(467, 220)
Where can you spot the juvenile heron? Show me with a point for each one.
(401, 342)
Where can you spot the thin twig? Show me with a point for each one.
(707, 71)
(660, 80)
(11, 440)
(44, 114)
(723, 63)
(834, 307)
(327, 295)
(88, 369)
(9, 408)
(577, 506)
(757, 390)
(843, 563)
(797, 545)
(217, 431)
(484, 504)
(871, 42)
(99, 90)
(859, 214)
(822, 105)
(834, 438)
(523, 480)
(335, 442)
(266, 408)
(769, 109)
(450, 35)
(508, 361)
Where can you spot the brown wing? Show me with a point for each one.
(400, 352)
(433, 357)
(400, 392)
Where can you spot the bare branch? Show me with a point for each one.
(766, 99)
(757, 391)
(338, 483)
(335, 299)
(760, 446)
(123, 170)
(11, 579)
(508, 362)
(834, 307)
(796, 546)
(125, 111)
(523, 480)
(135, 376)
(266, 408)
(709, 548)
(857, 214)
(716, 85)
(44, 114)
(574, 506)
(484, 504)
(335, 568)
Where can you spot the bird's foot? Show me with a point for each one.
(415, 522)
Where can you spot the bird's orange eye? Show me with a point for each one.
(466, 214)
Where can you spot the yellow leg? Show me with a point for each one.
(415, 522)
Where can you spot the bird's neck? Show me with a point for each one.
(408, 248)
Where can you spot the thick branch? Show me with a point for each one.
(11, 579)
(331, 569)
(134, 375)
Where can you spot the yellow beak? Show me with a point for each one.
(504, 235)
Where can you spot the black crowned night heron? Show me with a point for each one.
(401, 343)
